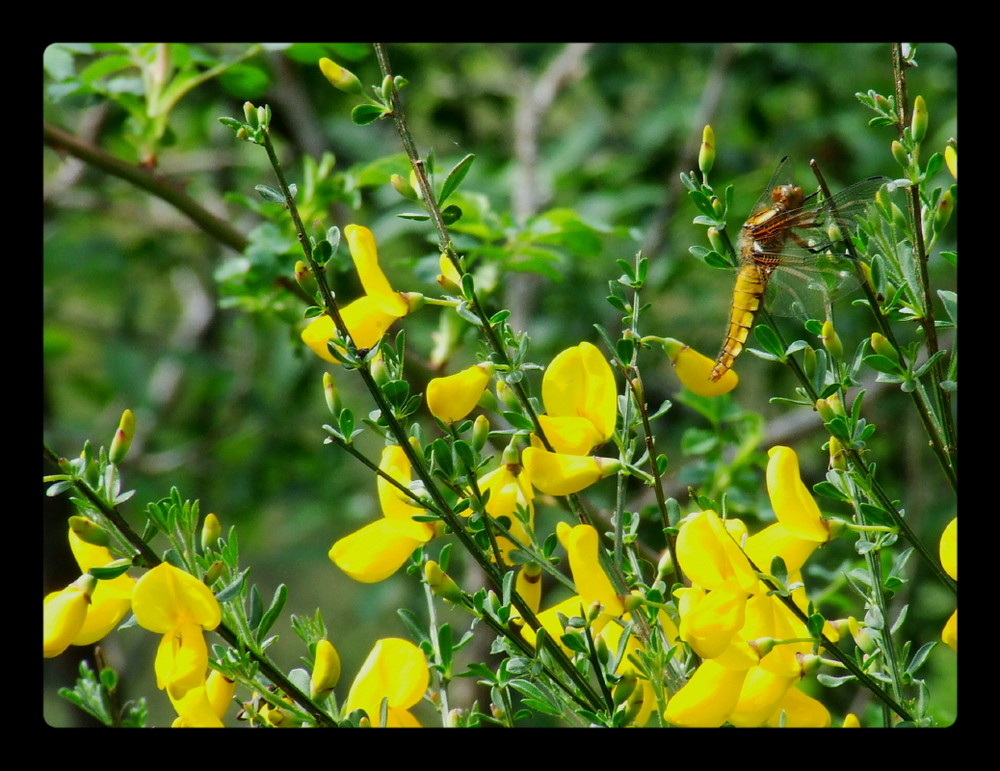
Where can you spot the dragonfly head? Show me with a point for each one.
(787, 197)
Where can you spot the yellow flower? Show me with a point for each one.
(379, 549)
(948, 551)
(368, 317)
(707, 699)
(87, 610)
(693, 370)
(578, 389)
(63, 614)
(558, 474)
(509, 490)
(326, 670)
(794, 507)
(112, 598)
(725, 610)
(204, 706)
(180, 607)
(453, 397)
(592, 583)
(395, 672)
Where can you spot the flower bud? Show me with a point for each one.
(250, 114)
(326, 670)
(900, 154)
(211, 532)
(861, 636)
(449, 279)
(480, 432)
(123, 438)
(442, 584)
(402, 186)
(214, 572)
(715, 239)
(809, 361)
(851, 721)
(303, 277)
(706, 155)
(506, 395)
(332, 395)
(918, 126)
(944, 210)
(838, 460)
(831, 341)
(881, 345)
(89, 531)
(808, 663)
(762, 645)
(951, 159)
(339, 77)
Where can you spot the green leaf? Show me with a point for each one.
(363, 114)
(269, 194)
(277, 604)
(455, 177)
(519, 421)
(769, 341)
(881, 363)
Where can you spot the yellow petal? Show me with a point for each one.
(181, 660)
(394, 502)
(761, 696)
(316, 335)
(361, 242)
(579, 383)
(570, 436)
(111, 600)
(395, 670)
(948, 549)
(707, 698)
(800, 711)
(592, 583)
(710, 557)
(710, 620)
(453, 397)
(694, 369)
(558, 474)
(794, 507)
(950, 633)
(776, 541)
(326, 670)
(166, 598)
(195, 710)
(63, 614)
(379, 549)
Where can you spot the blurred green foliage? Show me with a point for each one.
(574, 168)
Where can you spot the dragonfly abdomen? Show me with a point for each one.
(748, 295)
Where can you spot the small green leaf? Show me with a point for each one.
(269, 194)
(277, 604)
(364, 114)
(769, 341)
(455, 177)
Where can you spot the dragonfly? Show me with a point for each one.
(787, 256)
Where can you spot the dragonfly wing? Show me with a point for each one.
(805, 286)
